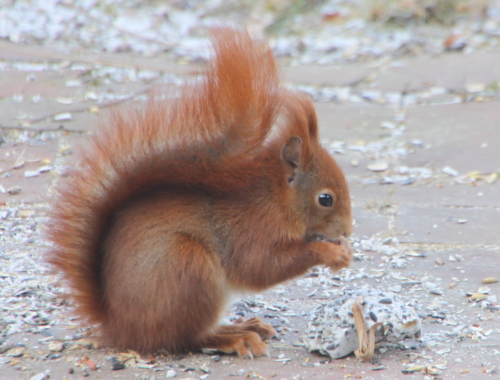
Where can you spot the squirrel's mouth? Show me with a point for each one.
(319, 237)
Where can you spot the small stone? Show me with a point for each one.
(388, 251)
(408, 181)
(66, 151)
(455, 43)
(386, 301)
(378, 166)
(387, 180)
(41, 376)
(432, 288)
(484, 290)
(66, 101)
(65, 116)
(117, 366)
(14, 190)
(87, 343)
(44, 169)
(450, 171)
(492, 298)
(56, 346)
(416, 254)
(171, 373)
(417, 143)
(91, 95)
(15, 352)
(31, 173)
(388, 125)
(439, 262)
(204, 368)
(144, 366)
(25, 213)
(436, 291)
(455, 258)
(73, 83)
(402, 170)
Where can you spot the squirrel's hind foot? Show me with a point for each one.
(244, 337)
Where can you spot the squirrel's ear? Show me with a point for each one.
(292, 150)
(291, 154)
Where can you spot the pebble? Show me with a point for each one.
(388, 125)
(56, 346)
(439, 261)
(15, 352)
(378, 166)
(116, 366)
(14, 190)
(450, 171)
(66, 116)
(388, 251)
(41, 376)
(170, 373)
(484, 290)
(25, 213)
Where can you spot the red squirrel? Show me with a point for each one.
(222, 189)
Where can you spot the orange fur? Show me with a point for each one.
(174, 207)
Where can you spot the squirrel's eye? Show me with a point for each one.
(325, 200)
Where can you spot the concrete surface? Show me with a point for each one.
(426, 216)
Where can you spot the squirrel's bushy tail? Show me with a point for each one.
(181, 142)
(242, 87)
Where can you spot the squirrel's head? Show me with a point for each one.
(317, 187)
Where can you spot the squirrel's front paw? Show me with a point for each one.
(344, 256)
(337, 254)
